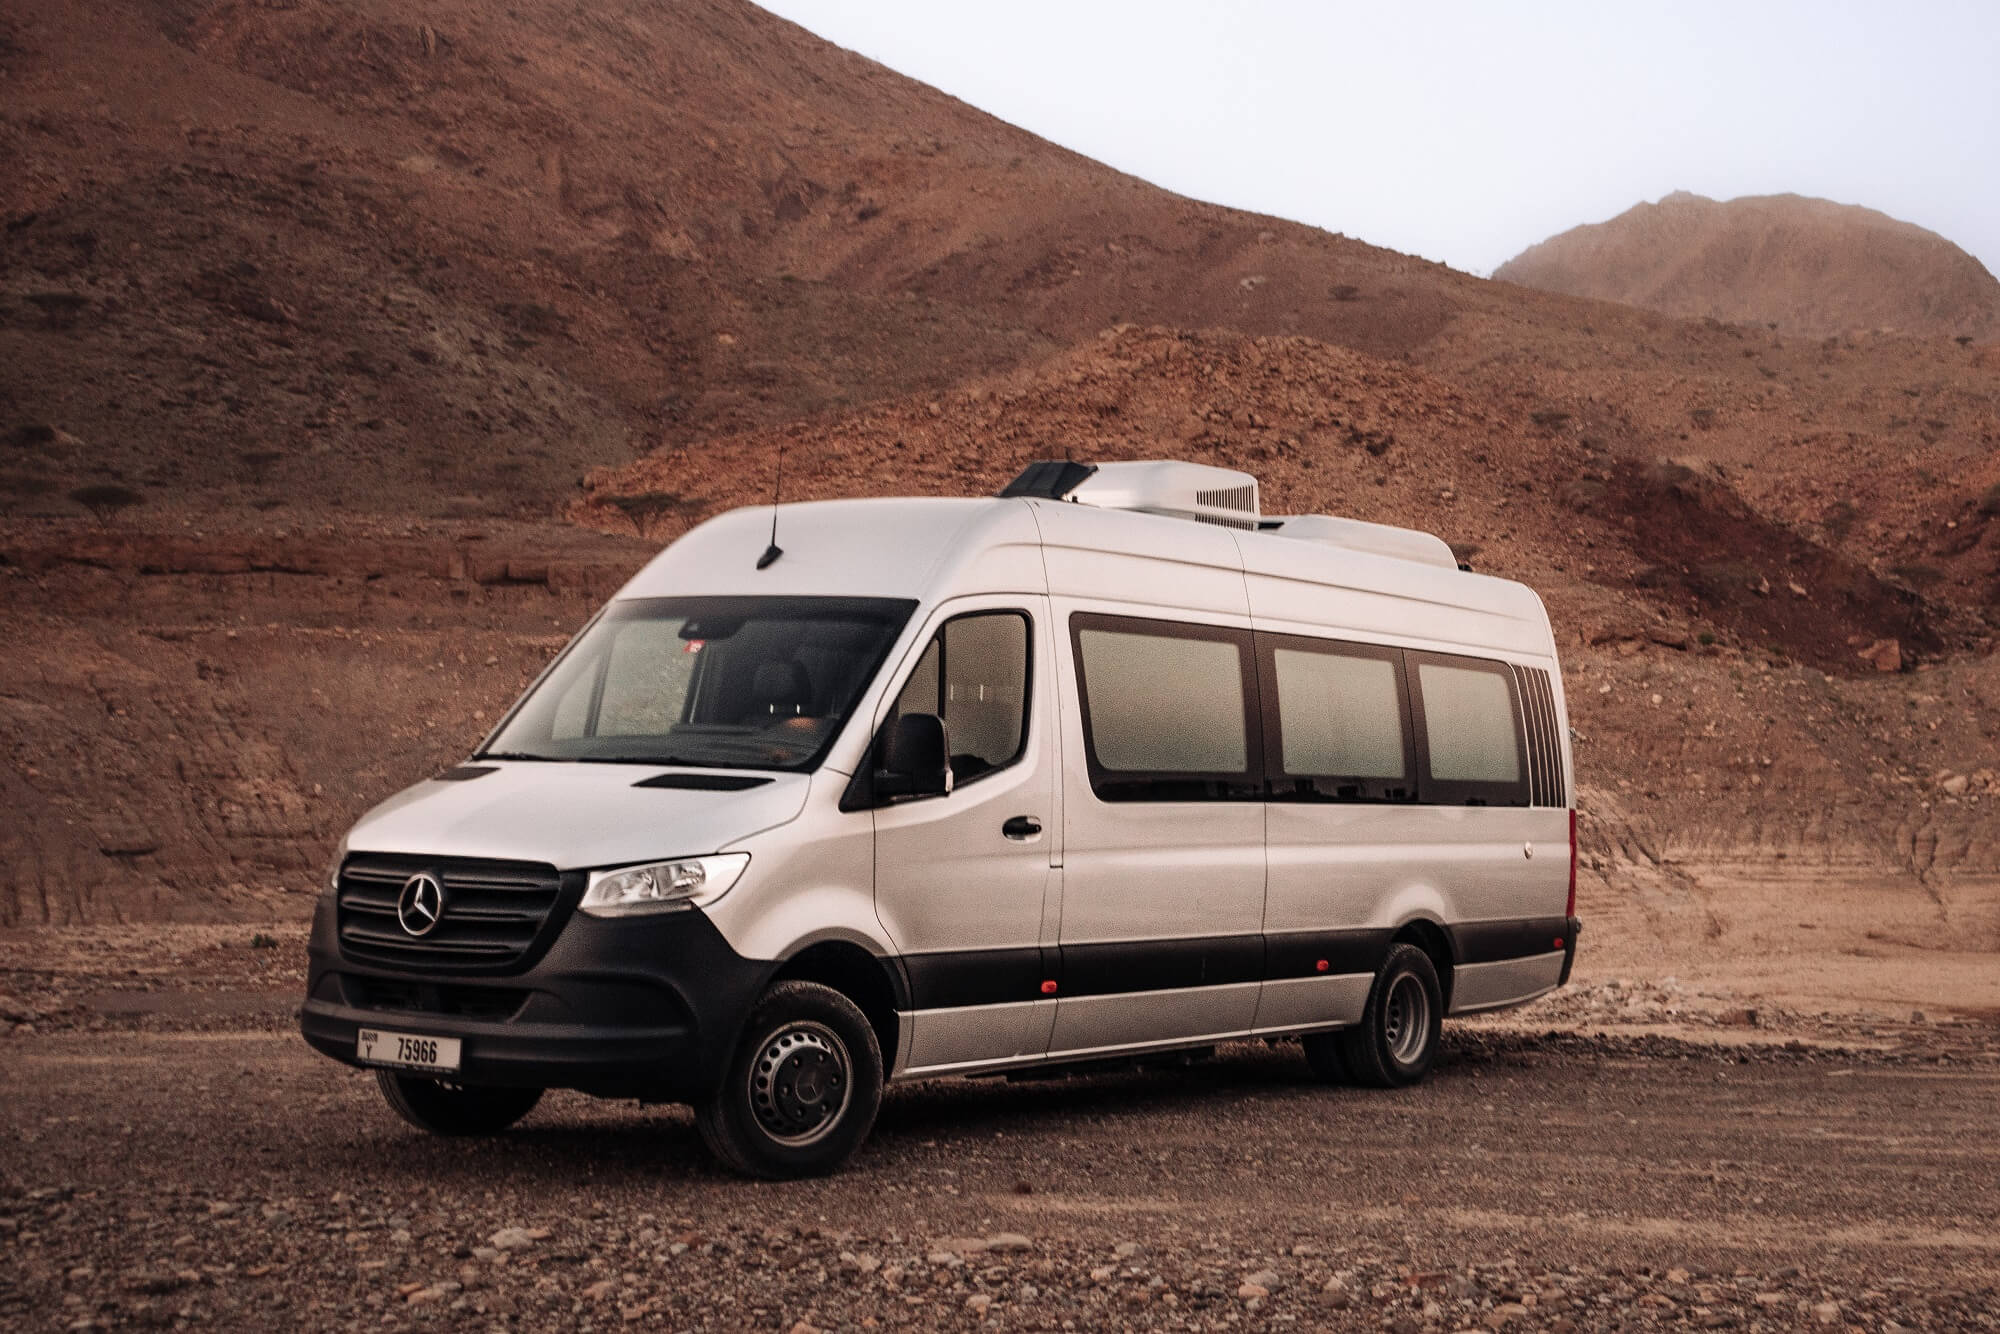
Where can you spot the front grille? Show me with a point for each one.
(465, 1002)
(494, 911)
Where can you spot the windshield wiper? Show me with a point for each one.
(522, 755)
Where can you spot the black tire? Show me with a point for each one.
(1397, 1038)
(454, 1109)
(802, 1089)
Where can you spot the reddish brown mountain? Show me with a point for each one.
(347, 296)
(1806, 266)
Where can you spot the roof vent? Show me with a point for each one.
(1182, 490)
(1376, 539)
(1048, 479)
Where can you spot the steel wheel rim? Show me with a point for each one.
(1406, 1019)
(801, 1083)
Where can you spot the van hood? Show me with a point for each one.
(575, 816)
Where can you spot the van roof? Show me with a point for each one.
(928, 549)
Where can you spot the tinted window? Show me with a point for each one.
(1469, 730)
(1340, 722)
(1469, 722)
(974, 675)
(1166, 709)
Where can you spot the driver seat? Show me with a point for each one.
(780, 690)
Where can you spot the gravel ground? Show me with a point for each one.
(213, 1173)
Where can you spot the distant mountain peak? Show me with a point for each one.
(1808, 266)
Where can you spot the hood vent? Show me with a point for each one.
(704, 782)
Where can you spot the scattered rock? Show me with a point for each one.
(1884, 655)
(517, 1238)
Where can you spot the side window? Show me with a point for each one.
(974, 675)
(1340, 721)
(1468, 725)
(1166, 710)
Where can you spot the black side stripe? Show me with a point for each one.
(1496, 942)
(1160, 965)
(976, 977)
(1300, 953)
(960, 978)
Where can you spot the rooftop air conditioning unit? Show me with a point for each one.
(1376, 539)
(1182, 490)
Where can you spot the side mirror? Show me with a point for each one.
(915, 760)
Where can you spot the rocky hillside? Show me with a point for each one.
(330, 330)
(1803, 266)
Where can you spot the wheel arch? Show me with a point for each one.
(873, 983)
(1430, 937)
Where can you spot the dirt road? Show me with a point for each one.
(1541, 1180)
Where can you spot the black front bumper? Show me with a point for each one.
(645, 1007)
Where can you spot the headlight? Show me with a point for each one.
(662, 886)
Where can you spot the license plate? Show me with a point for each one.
(411, 1051)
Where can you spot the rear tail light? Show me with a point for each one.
(1570, 911)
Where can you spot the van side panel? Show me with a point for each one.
(1496, 877)
(1162, 900)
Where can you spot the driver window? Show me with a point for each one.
(974, 675)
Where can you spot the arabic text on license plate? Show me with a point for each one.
(413, 1051)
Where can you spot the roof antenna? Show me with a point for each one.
(772, 552)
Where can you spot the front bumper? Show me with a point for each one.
(644, 1007)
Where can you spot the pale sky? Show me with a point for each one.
(1466, 132)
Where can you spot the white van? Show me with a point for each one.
(841, 793)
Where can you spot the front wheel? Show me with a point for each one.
(802, 1089)
(454, 1109)
(1397, 1038)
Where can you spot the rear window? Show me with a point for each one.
(1469, 731)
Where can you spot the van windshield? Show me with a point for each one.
(752, 683)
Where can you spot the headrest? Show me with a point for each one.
(780, 688)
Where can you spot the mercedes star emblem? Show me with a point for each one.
(421, 904)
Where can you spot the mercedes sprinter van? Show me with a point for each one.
(1106, 767)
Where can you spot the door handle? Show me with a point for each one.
(1022, 827)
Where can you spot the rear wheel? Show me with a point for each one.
(802, 1090)
(1397, 1038)
(454, 1109)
